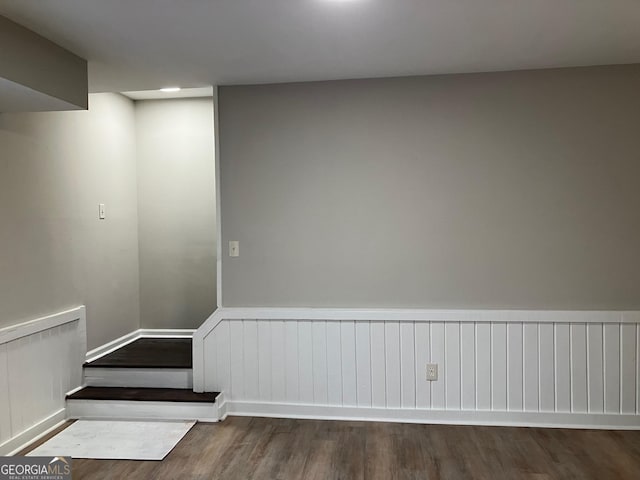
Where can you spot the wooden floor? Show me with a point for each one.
(255, 448)
(149, 353)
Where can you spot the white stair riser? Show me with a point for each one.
(139, 377)
(140, 410)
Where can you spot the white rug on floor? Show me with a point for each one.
(115, 440)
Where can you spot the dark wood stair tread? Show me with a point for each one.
(143, 394)
(149, 353)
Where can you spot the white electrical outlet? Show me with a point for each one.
(432, 372)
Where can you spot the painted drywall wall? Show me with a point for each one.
(498, 190)
(177, 212)
(55, 168)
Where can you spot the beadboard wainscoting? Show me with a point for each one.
(570, 369)
(40, 361)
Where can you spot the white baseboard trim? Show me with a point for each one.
(134, 410)
(114, 345)
(32, 434)
(74, 390)
(446, 417)
(111, 346)
(168, 332)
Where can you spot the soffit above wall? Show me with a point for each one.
(15, 97)
(38, 75)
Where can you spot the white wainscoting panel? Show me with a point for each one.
(575, 369)
(40, 361)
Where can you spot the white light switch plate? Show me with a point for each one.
(234, 248)
(101, 211)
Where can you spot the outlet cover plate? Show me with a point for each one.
(432, 372)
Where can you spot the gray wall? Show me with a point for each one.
(55, 168)
(516, 189)
(177, 212)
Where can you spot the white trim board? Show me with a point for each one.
(41, 324)
(166, 333)
(111, 346)
(218, 195)
(564, 373)
(419, 315)
(287, 314)
(221, 401)
(139, 377)
(462, 417)
(114, 345)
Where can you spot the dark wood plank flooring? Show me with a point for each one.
(149, 353)
(255, 448)
(142, 394)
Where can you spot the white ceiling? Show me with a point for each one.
(147, 44)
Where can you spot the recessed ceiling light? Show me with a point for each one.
(170, 89)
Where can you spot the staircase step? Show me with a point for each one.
(149, 353)
(142, 403)
(143, 394)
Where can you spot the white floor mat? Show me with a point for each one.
(115, 440)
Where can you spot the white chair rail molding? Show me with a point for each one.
(575, 369)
